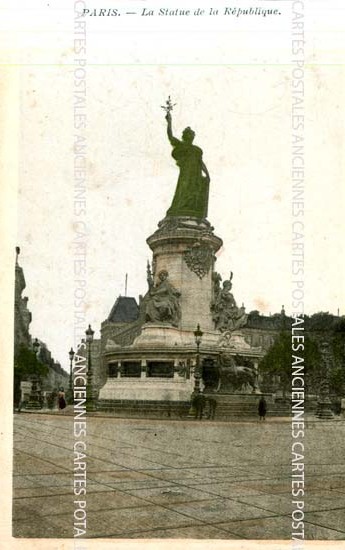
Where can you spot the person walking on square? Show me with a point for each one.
(61, 399)
(20, 404)
(262, 408)
(199, 402)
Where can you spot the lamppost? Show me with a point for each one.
(71, 354)
(90, 405)
(197, 371)
(34, 401)
(324, 410)
(256, 388)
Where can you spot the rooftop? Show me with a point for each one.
(125, 310)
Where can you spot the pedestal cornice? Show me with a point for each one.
(184, 230)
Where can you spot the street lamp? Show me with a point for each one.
(71, 354)
(197, 374)
(36, 345)
(90, 405)
(34, 401)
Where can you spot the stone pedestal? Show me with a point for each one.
(165, 336)
(34, 402)
(147, 389)
(160, 364)
(186, 248)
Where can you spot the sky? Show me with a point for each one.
(237, 100)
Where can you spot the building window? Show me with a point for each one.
(160, 369)
(131, 369)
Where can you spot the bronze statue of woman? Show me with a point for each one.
(191, 194)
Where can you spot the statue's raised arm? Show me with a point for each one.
(173, 140)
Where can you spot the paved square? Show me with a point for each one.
(173, 479)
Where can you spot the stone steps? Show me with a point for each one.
(168, 409)
(144, 408)
(245, 410)
(33, 406)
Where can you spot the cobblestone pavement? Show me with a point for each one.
(176, 479)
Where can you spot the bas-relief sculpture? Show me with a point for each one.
(199, 259)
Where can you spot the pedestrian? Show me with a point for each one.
(212, 405)
(20, 405)
(61, 399)
(262, 408)
(199, 402)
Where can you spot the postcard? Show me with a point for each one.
(174, 344)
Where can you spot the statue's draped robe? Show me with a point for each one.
(191, 195)
(163, 304)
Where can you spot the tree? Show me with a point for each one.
(337, 381)
(322, 321)
(26, 365)
(279, 358)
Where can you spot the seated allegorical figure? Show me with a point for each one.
(163, 304)
(226, 314)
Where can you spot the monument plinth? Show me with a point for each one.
(185, 247)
